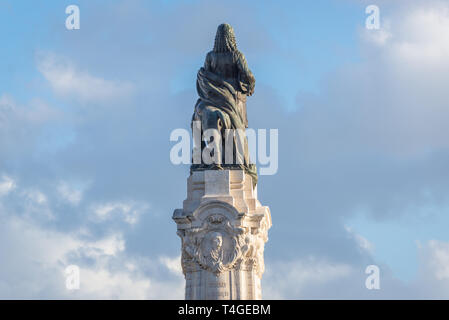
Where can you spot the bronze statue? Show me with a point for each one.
(223, 84)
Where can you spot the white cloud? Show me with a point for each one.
(68, 80)
(172, 264)
(167, 289)
(34, 255)
(7, 184)
(435, 259)
(35, 204)
(34, 259)
(432, 281)
(129, 211)
(110, 245)
(378, 37)
(70, 193)
(423, 36)
(394, 101)
(362, 242)
(100, 283)
(35, 113)
(35, 196)
(296, 279)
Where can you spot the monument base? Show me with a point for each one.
(223, 228)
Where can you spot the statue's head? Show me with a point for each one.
(225, 39)
(216, 240)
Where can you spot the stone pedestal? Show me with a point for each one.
(223, 228)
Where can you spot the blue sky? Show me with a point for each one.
(86, 115)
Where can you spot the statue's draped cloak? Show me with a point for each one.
(216, 92)
(219, 95)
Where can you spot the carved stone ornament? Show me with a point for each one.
(218, 246)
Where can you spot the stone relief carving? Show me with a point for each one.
(218, 246)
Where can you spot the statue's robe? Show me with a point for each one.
(223, 84)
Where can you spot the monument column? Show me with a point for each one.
(222, 225)
(223, 228)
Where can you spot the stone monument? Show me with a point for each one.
(222, 225)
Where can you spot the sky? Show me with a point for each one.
(86, 117)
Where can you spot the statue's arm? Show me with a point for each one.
(246, 75)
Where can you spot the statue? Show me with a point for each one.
(223, 85)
